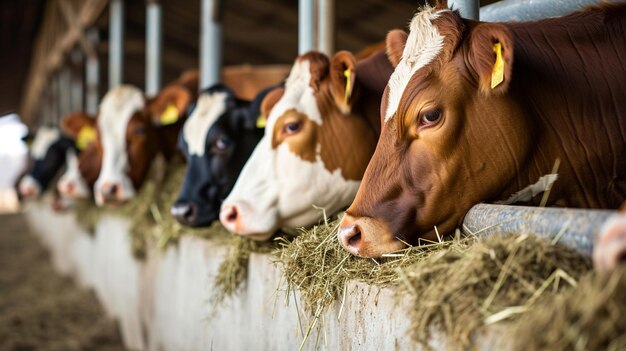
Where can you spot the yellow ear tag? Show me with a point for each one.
(170, 115)
(261, 121)
(347, 73)
(85, 136)
(497, 75)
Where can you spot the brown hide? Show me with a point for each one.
(563, 97)
(347, 137)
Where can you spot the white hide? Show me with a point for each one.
(116, 109)
(278, 188)
(44, 137)
(208, 109)
(72, 179)
(422, 46)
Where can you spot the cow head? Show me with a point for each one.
(450, 138)
(217, 139)
(48, 154)
(314, 151)
(81, 128)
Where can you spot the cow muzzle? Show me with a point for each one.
(367, 237)
(29, 187)
(238, 218)
(610, 247)
(185, 212)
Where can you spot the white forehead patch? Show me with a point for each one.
(116, 110)
(208, 109)
(422, 46)
(298, 95)
(44, 137)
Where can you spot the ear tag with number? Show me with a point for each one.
(86, 136)
(497, 75)
(170, 115)
(261, 121)
(348, 74)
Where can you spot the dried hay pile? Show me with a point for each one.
(473, 283)
(457, 286)
(590, 317)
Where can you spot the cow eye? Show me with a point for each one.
(139, 131)
(222, 143)
(430, 117)
(291, 128)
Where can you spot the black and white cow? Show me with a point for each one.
(217, 140)
(48, 152)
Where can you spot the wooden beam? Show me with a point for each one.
(51, 48)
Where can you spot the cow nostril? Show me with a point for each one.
(232, 214)
(355, 239)
(351, 238)
(114, 189)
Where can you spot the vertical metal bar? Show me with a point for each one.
(306, 26)
(77, 59)
(326, 26)
(92, 75)
(64, 91)
(153, 47)
(468, 8)
(210, 44)
(116, 43)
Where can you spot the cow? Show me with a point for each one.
(48, 150)
(319, 136)
(484, 112)
(131, 131)
(217, 139)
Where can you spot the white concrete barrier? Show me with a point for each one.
(162, 302)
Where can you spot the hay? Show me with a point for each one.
(472, 283)
(318, 266)
(233, 271)
(590, 317)
(456, 286)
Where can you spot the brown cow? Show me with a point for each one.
(320, 134)
(131, 131)
(479, 112)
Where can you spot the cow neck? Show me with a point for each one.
(576, 116)
(372, 74)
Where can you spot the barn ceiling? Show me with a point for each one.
(254, 32)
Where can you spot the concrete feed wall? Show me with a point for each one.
(162, 303)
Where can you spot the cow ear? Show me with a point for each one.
(73, 123)
(268, 103)
(169, 106)
(491, 56)
(342, 79)
(396, 40)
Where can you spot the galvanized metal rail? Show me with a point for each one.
(576, 228)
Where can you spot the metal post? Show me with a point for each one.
(116, 43)
(210, 44)
(92, 75)
(65, 91)
(468, 8)
(306, 30)
(153, 47)
(326, 26)
(77, 59)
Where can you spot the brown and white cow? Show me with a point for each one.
(479, 112)
(319, 136)
(131, 131)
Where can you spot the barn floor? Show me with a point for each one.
(39, 309)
